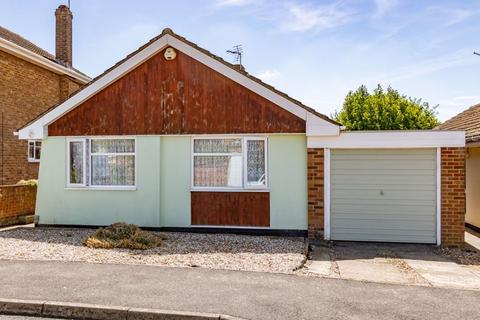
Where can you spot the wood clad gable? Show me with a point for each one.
(180, 96)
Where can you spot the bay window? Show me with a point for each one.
(229, 163)
(101, 162)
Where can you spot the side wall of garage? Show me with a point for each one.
(452, 194)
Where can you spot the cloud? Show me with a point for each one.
(233, 3)
(456, 59)
(382, 7)
(269, 75)
(452, 16)
(303, 18)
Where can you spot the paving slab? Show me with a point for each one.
(368, 262)
(320, 261)
(446, 273)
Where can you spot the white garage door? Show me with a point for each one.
(383, 195)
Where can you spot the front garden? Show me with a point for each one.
(216, 251)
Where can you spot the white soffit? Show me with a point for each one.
(390, 139)
(36, 129)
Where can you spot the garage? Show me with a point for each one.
(386, 195)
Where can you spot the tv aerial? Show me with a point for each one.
(237, 51)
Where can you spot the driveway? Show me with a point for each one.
(250, 295)
(406, 264)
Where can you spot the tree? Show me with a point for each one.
(385, 110)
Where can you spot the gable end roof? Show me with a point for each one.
(169, 38)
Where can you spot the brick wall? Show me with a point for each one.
(26, 90)
(453, 196)
(16, 201)
(315, 193)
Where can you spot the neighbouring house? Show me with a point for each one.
(175, 138)
(31, 81)
(469, 121)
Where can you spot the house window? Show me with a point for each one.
(34, 150)
(229, 163)
(101, 162)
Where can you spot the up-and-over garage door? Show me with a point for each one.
(383, 195)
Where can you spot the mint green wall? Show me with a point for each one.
(175, 162)
(56, 205)
(288, 181)
(163, 181)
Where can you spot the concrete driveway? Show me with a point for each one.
(407, 264)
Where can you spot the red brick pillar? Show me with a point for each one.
(453, 196)
(315, 193)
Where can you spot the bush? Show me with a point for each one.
(31, 182)
(123, 235)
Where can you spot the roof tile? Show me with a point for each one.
(468, 120)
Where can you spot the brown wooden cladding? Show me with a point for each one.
(181, 96)
(246, 209)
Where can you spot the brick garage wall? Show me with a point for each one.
(453, 196)
(26, 90)
(315, 176)
(16, 201)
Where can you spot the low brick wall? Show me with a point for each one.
(16, 202)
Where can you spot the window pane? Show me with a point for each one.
(113, 170)
(113, 146)
(217, 171)
(217, 146)
(37, 152)
(31, 150)
(76, 162)
(256, 162)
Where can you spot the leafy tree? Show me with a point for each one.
(385, 110)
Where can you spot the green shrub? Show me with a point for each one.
(124, 235)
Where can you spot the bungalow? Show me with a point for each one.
(173, 137)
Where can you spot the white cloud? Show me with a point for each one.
(304, 18)
(452, 16)
(382, 7)
(269, 75)
(233, 2)
(425, 67)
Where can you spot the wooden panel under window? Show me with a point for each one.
(181, 96)
(245, 209)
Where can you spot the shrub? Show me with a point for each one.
(124, 235)
(31, 182)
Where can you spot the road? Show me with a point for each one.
(244, 294)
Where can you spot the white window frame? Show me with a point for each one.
(84, 163)
(245, 186)
(245, 158)
(88, 154)
(134, 154)
(34, 142)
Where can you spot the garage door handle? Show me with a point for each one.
(381, 192)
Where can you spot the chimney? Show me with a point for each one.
(63, 34)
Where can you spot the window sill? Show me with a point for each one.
(133, 188)
(33, 161)
(228, 190)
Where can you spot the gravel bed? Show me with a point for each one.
(215, 251)
(466, 256)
